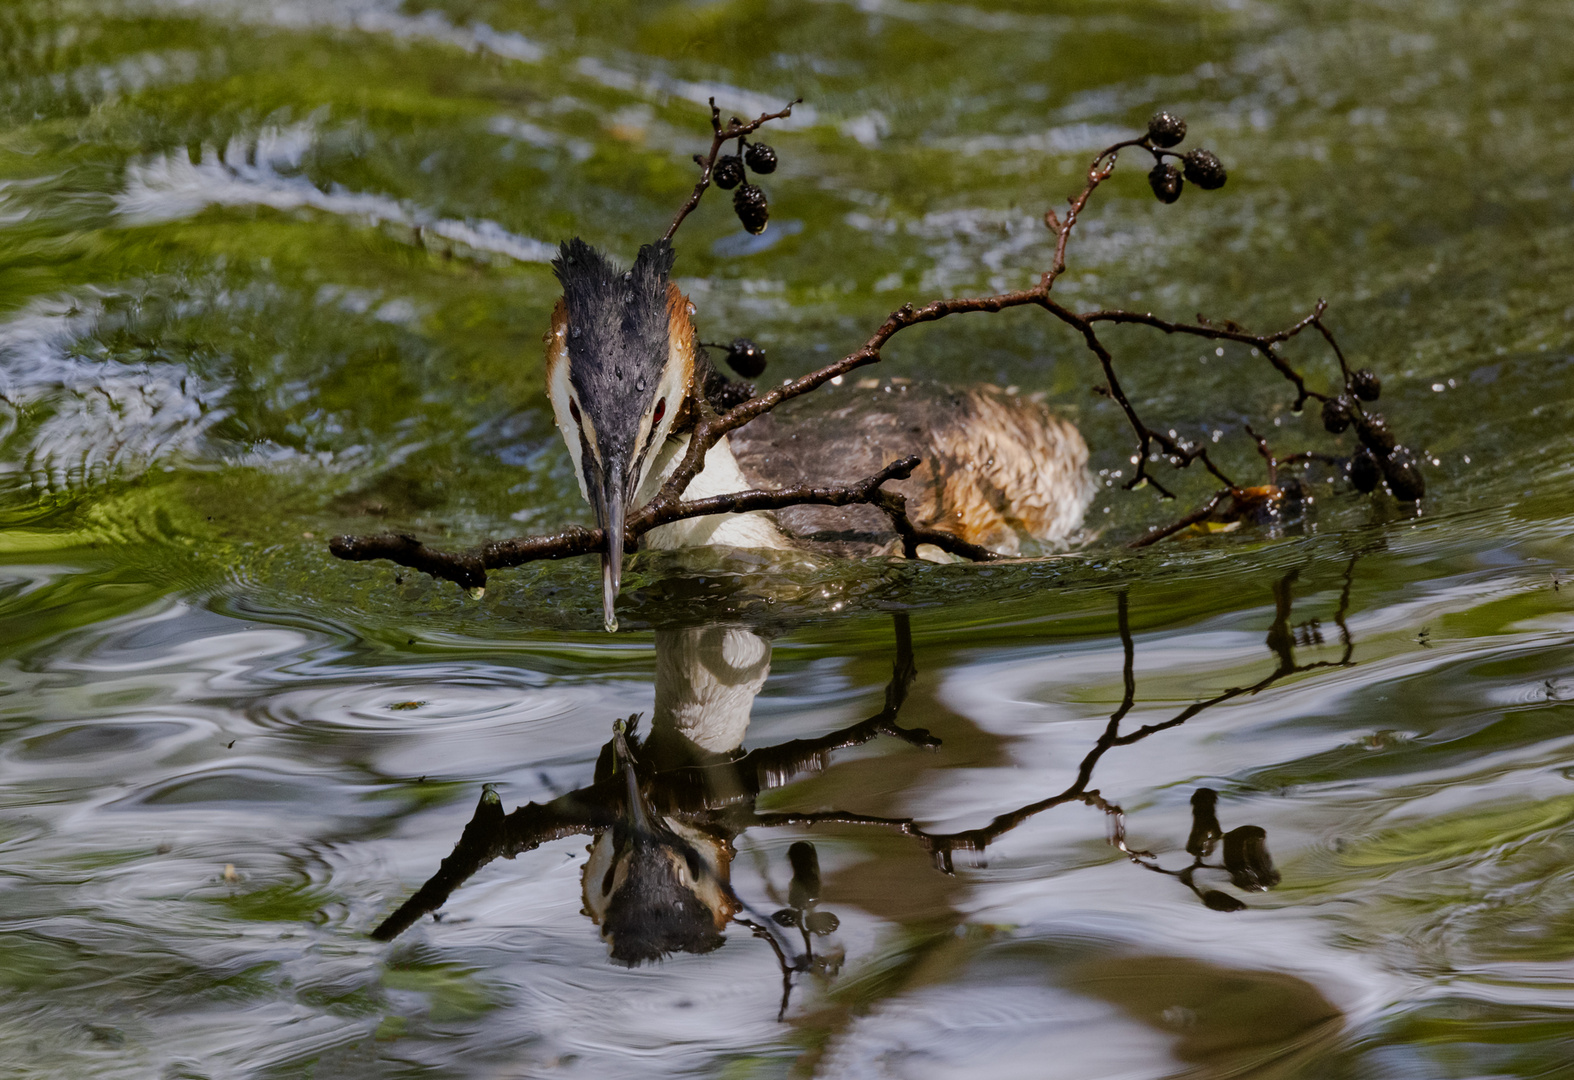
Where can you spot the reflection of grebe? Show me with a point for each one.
(658, 882)
(664, 809)
(622, 366)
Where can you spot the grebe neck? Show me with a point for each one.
(720, 476)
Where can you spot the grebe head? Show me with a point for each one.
(654, 890)
(620, 359)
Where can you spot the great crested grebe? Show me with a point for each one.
(622, 364)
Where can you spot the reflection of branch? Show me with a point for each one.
(788, 968)
(1280, 641)
(490, 834)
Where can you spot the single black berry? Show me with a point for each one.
(746, 358)
(1336, 414)
(1166, 130)
(1365, 472)
(760, 158)
(1166, 182)
(729, 172)
(1373, 430)
(1366, 385)
(1204, 169)
(1403, 476)
(752, 209)
(1205, 829)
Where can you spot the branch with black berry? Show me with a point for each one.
(722, 408)
(727, 173)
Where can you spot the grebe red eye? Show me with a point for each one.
(573, 409)
(661, 410)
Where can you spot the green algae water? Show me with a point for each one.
(272, 271)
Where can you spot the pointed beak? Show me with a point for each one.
(639, 814)
(610, 514)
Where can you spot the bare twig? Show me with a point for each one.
(1201, 514)
(468, 568)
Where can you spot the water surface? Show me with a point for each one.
(272, 272)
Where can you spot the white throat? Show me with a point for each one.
(720, 476)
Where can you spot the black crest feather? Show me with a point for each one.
(617, 331)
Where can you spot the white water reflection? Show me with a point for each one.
(89, 418)
(264, 169)
(172, 744)
(387, 17)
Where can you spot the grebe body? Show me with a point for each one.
(622, 362)
(998, 470)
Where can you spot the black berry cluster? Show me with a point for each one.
(1245, 855)
(1380, 457)
(748, 200)
(744, 357)
(1199, 167)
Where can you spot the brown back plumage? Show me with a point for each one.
(998, 469)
